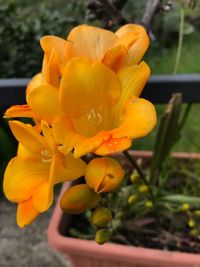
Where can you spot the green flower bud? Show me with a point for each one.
(194, 232)
(197, 213)
(134, 177)
(191, 223)
(143, 189)
(102, 236)
(132, 199)
(148, 204)
(101, 216)
(185, 207)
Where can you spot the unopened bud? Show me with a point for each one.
(132, 199)
(191, 223)
(185, 207)
(79, 198)
(134, 177)
(143, 189)
(104, 174)
(148, 204)
(102, 236)
(101, 216)
(194, 232)
(197, 213)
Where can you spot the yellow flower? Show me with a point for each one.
(104, 174)
(30, 176)
(125, 47)
(102, 113)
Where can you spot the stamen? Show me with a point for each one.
(95, 117)
(46, 156)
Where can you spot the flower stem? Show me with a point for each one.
(180, 41)
(141, 174)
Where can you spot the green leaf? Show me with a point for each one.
(181, 199)
(168, 133)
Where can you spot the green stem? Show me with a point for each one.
(180, 41)
(141, 174)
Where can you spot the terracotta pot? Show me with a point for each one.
(84, 253)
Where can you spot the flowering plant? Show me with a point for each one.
(85, 108)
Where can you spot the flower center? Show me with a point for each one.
(46, 156)
(94, 120)
(94, 117)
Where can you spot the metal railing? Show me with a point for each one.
(158, 90)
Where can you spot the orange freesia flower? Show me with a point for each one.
(125, 47)
(95, 109)
(31, 175)
(102, 111)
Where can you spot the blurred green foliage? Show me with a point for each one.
(22, 26)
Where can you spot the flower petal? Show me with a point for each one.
(135, 39)
(133, 80)
(85, 145)
(91, 42)
(61, 46)
(48, 135)
(50, 71)
(23, 111)
(112, 146)
(115, 57)
(64, 133)
(43, 196)
(36, 81)
(28, 136)
(44, 101)
(43, 193)
(86, 86)
(24, 153)
(22, 176)
(68, 169)
(139, 119)
(26, 213)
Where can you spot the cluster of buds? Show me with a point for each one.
(193, 216)
(140, 193)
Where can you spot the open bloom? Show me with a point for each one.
(30, 176)
(125, 47)
(101, 110)
(95, 109)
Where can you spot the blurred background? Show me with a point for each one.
(24, 22)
